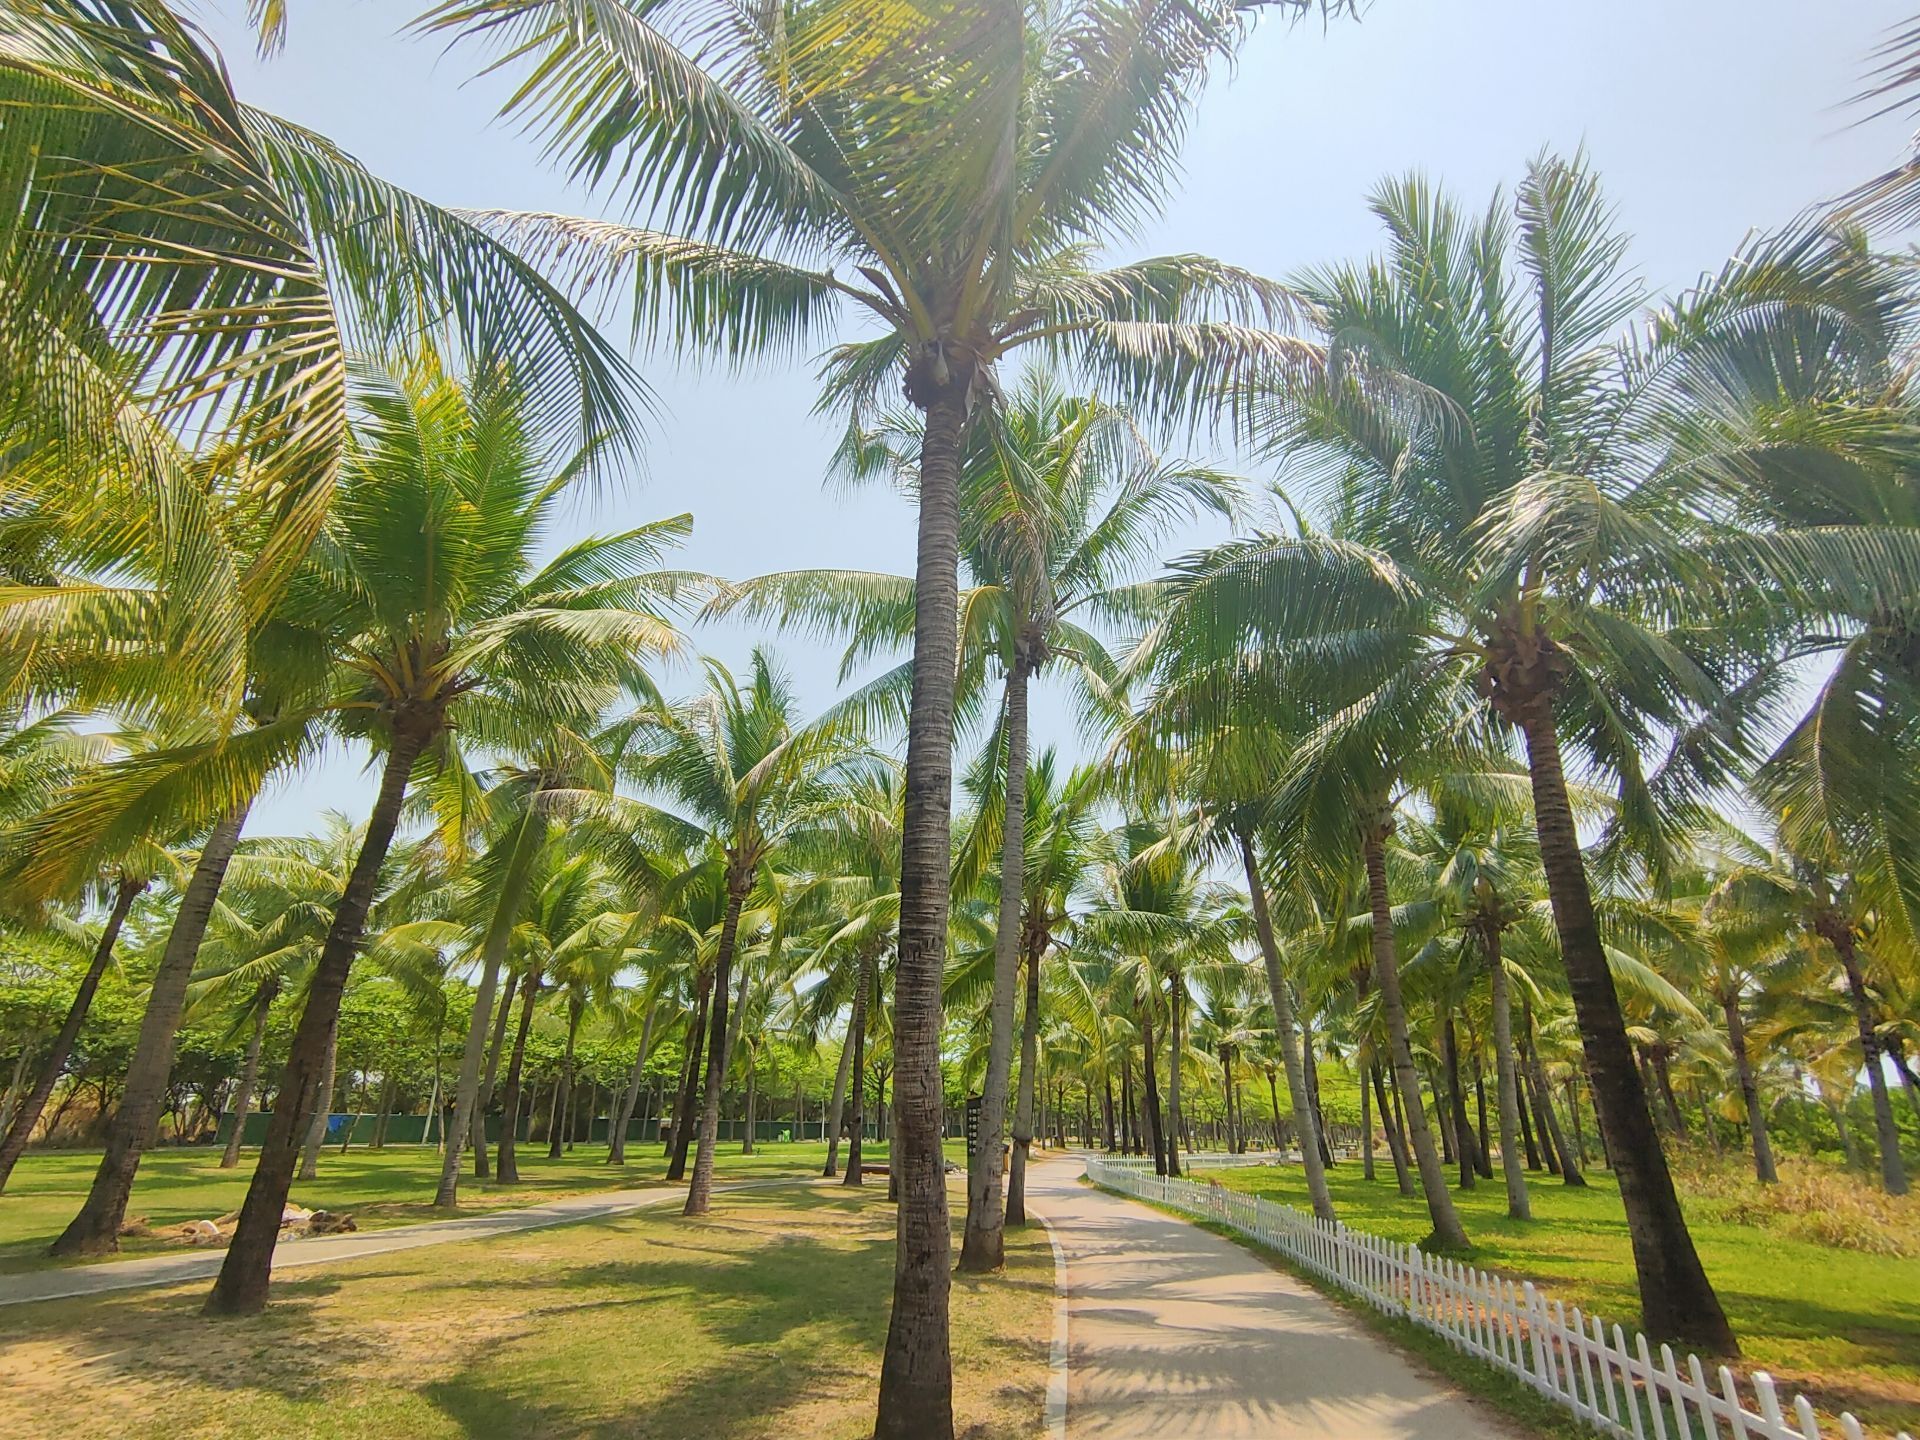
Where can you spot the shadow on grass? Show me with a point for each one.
(777, 1299)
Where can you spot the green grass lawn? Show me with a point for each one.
(765, 1318)
(377, 1187)
(1840, 1324)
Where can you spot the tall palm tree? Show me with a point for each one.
(949, 172)
(1208, 735)
(180, 263)
(1529, 503)
(1483, 867)
(1158, 913)
(736, 765)
(481, 635)
(1061, 501)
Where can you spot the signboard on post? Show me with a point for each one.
(973, 1126)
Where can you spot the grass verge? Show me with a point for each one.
(379, 1188)
(1838, 1323)
(765, 1318)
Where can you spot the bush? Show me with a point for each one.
(1815, 1200)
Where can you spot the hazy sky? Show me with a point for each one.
(1707, 118)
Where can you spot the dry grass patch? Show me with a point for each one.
(764, 1319)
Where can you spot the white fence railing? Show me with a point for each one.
(1596, 1371)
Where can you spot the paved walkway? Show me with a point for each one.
(1174, 1332)
(205, 1264)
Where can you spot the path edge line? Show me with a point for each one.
(1057, 1354)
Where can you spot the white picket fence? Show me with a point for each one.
(1595, 1370)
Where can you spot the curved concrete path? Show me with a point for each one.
(178, 1268)
(1174, 1332)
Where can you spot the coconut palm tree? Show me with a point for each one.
(949, 172)
(1482, 870)
(734, 765)
(1061, 501)
(1157, 912)
(181, 263)
(482, 636)
(1524, 505)
(846, 907)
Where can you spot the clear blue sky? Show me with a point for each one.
(1707, 118)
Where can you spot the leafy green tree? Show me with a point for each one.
(481, 636)
(1061, 502)
(949, 172)
(179, 262)
(735, 765)
(1524, 496)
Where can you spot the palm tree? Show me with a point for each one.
(848, 905)
(1525, 504)
(235, 260)
(735, 765)
(479, 635)
(1483, 866)
(949, 172)
(566, 773)
(1063, 848)
(1160, 916)
(1213, 744)
(1061, 500)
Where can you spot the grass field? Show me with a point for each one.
(766, 1318)
(377, 1187)
(1841, 1324)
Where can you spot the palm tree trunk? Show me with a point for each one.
(493, 950)
(696, 1052)
(1483, 1142)
(1463, 1143)
(1506, 1084)
(1126, 1106)
(1678, 1303)
(96, 1229)
(1849, 1147)
(983, 1243)
(1763, 1169)
(1396, 1136)
(857, 1081)
(916, 1372)
(1909, 1082)
(1565, 1160)
(1533, 1082)
(483, 1097)
(753, 1075)
(1579, 1133)
(242, 1286)
(1152, 1084)
(1526, 1122)
(249, 1076)
(1288, 1030)
(1176, 1028)
(126, 891)
(507, 1167)
(322, 1111)
(1447, 1231)
(836, 1105)
(1023, 1114)
(1273, 1099)
(1106, 1115)
(1663, 1077)
(617, 1132)
(1366, 1124)
(1893, 1171)
(562, 1131)
(1310, 1061)
(700, 1190)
